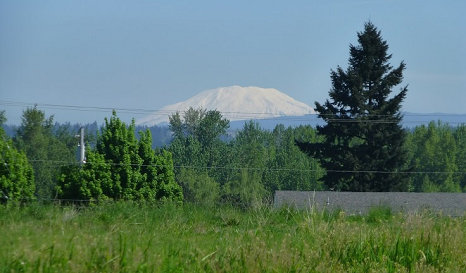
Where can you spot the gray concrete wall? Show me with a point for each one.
(453, 204)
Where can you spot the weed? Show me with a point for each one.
(134, 237)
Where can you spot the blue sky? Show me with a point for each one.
(148, 54)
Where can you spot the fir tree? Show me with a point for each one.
(363, 147)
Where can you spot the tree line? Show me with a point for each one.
(199, 165)
(361, 147)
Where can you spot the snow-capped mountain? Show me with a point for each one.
(236, 103)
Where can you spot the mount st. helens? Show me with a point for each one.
(236, 103)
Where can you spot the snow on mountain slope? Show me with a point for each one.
(236, 103)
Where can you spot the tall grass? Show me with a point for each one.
(134, 237)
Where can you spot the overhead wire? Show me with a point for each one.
(58, 163)
(238, 115)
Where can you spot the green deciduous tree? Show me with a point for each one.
(433, 152)
(167, 188)
(2, 118)
(198, 186)
(288, 167)
(92, 181)
(16, 174)
(119, 146)
(43, 149)
(121, 167)
(363, 147)
(460, 137)
(199, 153)
(251, 149)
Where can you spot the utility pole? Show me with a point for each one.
(82, 158)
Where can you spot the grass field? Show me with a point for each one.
(129, 237)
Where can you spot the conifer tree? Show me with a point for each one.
(363, 147)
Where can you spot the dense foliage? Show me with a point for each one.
(16, 173)
(198, 152)
(251, 166)
(364, 144)
(121, 167)
(44, 147)
(438, 151)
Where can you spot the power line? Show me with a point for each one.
(58, 163)
(159, 112)
(235, 115)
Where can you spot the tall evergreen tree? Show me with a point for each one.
(363, 147)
